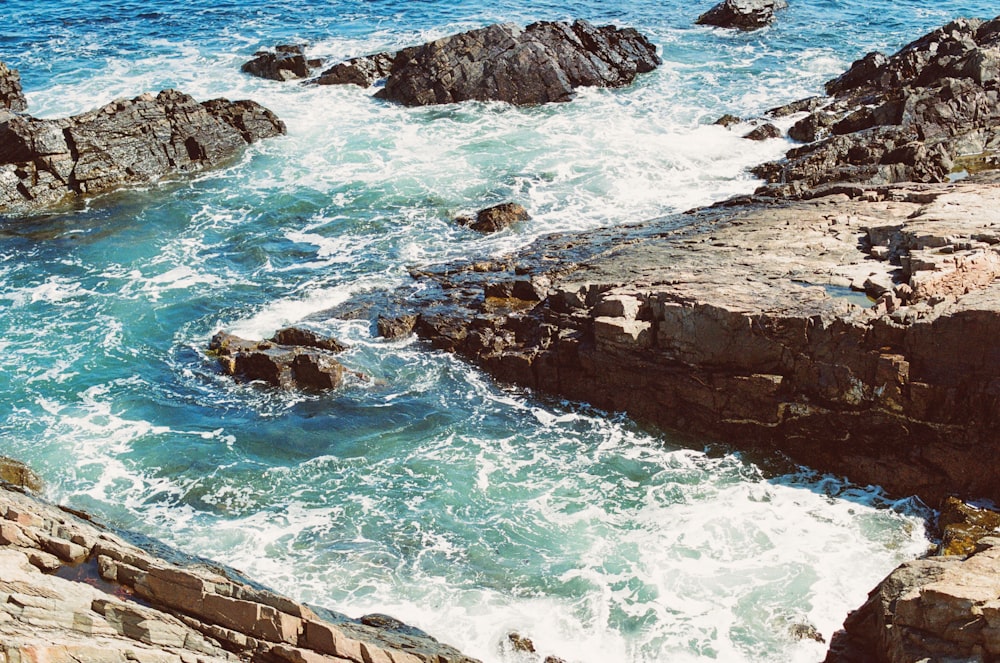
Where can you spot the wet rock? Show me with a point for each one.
(285, 364)
(18, 474)
(742, 14)
(11, 96)
(396, 327)
(126, 142)
(124, 603)
(496, 218)
(963, 525)
(544, 62)
(285, 63)
(765, 131)
(727, 120)
(363, 71)
(520, 643)
(914, 116)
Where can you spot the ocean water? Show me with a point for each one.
(430, 492)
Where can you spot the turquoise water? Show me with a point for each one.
(467, 508)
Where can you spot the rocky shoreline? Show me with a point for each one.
(75, 590)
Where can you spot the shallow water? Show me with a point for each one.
(465, 507)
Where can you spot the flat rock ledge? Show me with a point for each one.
(72, 590)
(128, 142)
(544, 62)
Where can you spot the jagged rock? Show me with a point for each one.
(764, 132)
(124, 143)
(293, 359)
(727, 120)
(915, 116)
(18, 474)
(496, 218)
(544, 62)
(963, 525)
(11, 96)
(742, 14)
(125, 603)
(396, 327)
(363, 71)
(287, 62)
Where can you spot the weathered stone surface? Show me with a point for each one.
(544, 62)
(963, 525)
(189, 610)
(285, 63)
(732, 324)
(293, 359)
(920, 115)
(496, 218)
(764, 132)
(126, 142)
(742, 14)
(363, 71)
(11, 95)
(18, 474)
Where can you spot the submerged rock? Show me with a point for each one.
(11, 96)
(126, 142)
(75, 591)
(496, 218)
(544, 62)
(287, 62)
(363, 71)
(292, 359)
(742, 14)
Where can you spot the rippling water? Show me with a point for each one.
(465, 507)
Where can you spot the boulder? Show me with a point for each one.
(362, 71)
(126, 142)
(544, 62)
(764, 132)
(496, 218)
(18, 474)
(11, 96)
(292, 359)
(285, 63)
(742, 14)
(727, 120)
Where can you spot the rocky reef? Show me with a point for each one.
(126, 142)
(285, 63)
(73, 590)
(742, 14)
(292, 359)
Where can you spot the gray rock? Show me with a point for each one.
(126, 142)
(742, 14)
(11, 96)
(544, 62)
(363, 71)
(287, 62)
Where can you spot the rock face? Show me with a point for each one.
(363, 71)
(292, 359)
(126, 142)
(11, 96)
(940, 608)
(496, 218)
(544, 62)
(287, 62)
(917, 116)
(74, 591)
(742, 14)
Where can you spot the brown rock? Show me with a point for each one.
(11, 96)
(496, 218)
(362, 71)
(764, 132)
(309, 365)
(18, 474)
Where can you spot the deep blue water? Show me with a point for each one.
(465, 507)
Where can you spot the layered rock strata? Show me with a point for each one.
(126, 142)
(743, 322)
(72, 590)
(742, 14)
(925, 114)
(11, 95)
(292, 359)
(544, 62)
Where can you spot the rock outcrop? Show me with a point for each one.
(286, 62)
(921, 115)
(496, 218)
(544, 62)
(292, 359)
(126, 142)
(72, 590)
(363, 71)
(940, 608)
(11, 95)
(742, 14)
